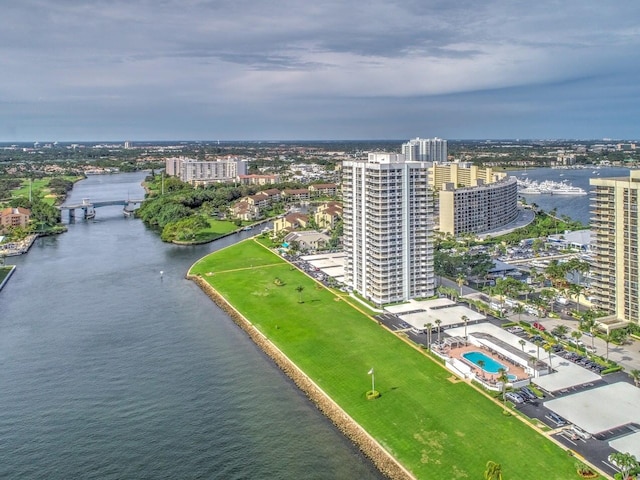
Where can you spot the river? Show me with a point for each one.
(111, 370)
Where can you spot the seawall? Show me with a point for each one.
(383, 461)
(6, 279)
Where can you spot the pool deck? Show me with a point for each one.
(492, 377)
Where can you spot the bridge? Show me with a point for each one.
(88, 207)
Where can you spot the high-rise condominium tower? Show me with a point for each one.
(388, 228)
(615, 215)
(425, 150)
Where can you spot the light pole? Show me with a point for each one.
(373, 381)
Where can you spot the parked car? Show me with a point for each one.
(514, 398)
(581, 433)
(557, 419)
(539, 326)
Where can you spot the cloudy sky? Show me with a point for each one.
(324, 69)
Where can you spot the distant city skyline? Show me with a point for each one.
(199, 70)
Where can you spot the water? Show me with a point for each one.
(490, 365)
(109, 370)
(574, 206)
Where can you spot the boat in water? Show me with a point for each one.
(548, 187)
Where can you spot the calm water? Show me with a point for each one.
(109, 370)
(576, 207)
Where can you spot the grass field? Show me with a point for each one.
(437, 428)
(39, 184)
(217, 228)
(4, 272)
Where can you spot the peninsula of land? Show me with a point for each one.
(425, 424)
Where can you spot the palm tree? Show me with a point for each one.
(549, 348)
(465, 319)
(538, 344)
(481, 364)
(577, 334)
(504, 379)
(428, 326)
(625, 462)
(493, 471)
(608, 338)
(522, 344)
(575, 290)
(438, 322)
(300, 289)
(460, 281)
(560, 330)
(519, 309)
(635, 374)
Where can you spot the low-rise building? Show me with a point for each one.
(327, 215)
(309, 240)
(323, 190)
(295, 195)
(290, 222)
(258, 179)
(14, 217)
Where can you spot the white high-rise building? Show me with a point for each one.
(199, 172)
(425, 150)
(388, 228)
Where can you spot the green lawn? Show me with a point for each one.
(4, 272)
(217, 228)
(436, 428)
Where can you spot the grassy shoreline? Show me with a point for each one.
(434, 427)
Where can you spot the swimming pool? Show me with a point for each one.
(490, 365)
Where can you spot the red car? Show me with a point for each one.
(539, 326)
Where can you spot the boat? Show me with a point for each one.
(548, 187)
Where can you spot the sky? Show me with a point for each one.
(318, 70)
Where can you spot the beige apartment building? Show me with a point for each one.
(614, 224)
(473, 199)
(202, 172)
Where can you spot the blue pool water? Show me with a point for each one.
(490, 365)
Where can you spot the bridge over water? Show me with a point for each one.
(89, 208)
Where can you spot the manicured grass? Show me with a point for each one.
(436, 428)
(4, 272)
(217, 228)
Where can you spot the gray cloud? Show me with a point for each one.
(291, 69)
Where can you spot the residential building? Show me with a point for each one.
(14, 217)
(323, 190)
(202, 172)
(615, 285)
(309, 240)
(327, 215)
(290, 222)
(295, 195)
(425, 150)
(388, 228)
(258, 179)
(477, 209)
(462, 174)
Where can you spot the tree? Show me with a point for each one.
(519, 309)
(428, 326)
(577, 334)
(438, 322)
(300, 289)
(549, 348)
(575, 291)
(635, 374)
(522, 344)
(481, 364)
(560, 330)
(625, 462)
(608, 339)
(465, 319)
(538, 344)
(460, 281)
(504, 379)
(493, 471)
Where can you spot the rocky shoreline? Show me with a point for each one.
(383, 461)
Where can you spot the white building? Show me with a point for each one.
(388, 228)
(425, 150)
(198, 172)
